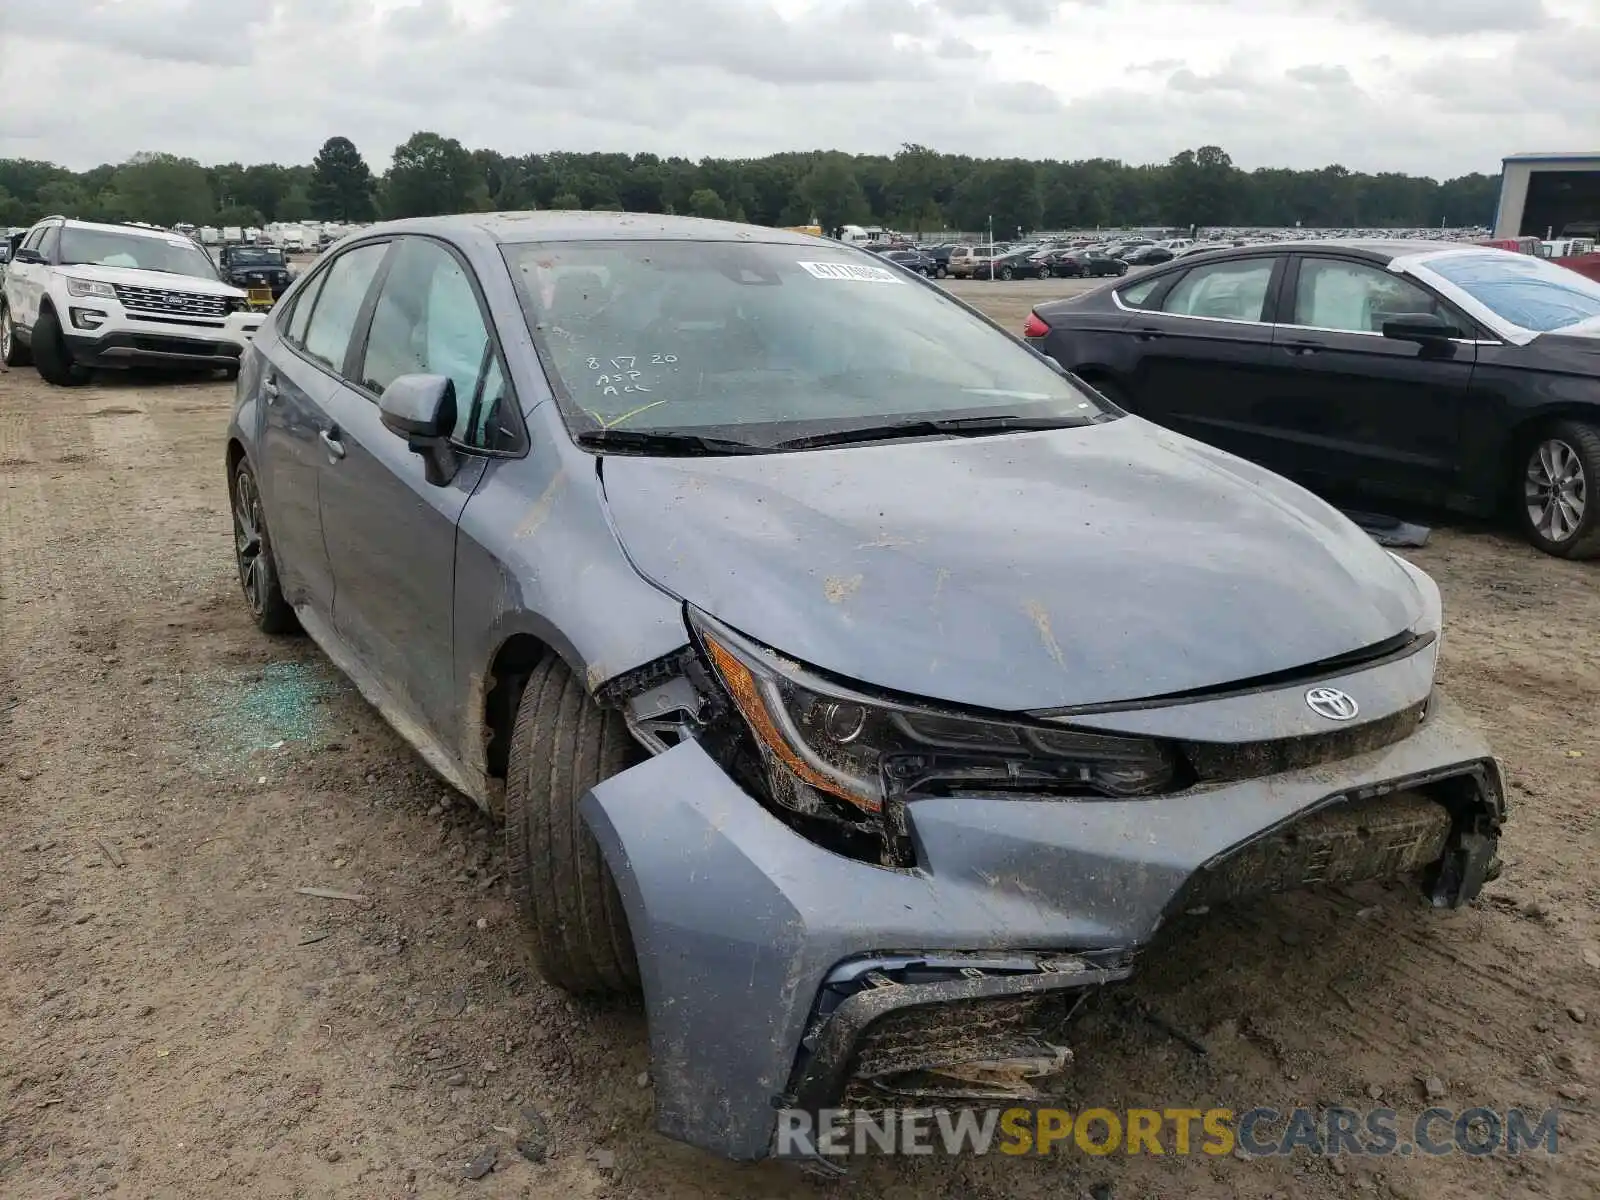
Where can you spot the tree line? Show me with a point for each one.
(916, 189)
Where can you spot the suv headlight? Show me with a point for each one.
(85, 288)
(866, 750)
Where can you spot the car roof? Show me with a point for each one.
(151, 231)
(511, 228)
(1385, 249)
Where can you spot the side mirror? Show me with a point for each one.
(422, 409)
(1419, 327)
(28, 256)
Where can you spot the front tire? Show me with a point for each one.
(1560, 465)
(562, 745)
(50, 353)
(12, 352)
(940, 273)
(252, 551)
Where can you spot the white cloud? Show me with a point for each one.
(260, 80)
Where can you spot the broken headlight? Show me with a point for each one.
(866, 750)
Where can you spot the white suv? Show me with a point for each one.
(79, 295)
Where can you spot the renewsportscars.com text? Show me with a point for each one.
(1257, 1132)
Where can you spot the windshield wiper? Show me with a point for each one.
(663, 441)
(931, 427)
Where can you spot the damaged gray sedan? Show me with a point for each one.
(851, 681)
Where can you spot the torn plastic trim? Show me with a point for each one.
(859, 995)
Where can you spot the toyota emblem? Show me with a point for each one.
(1332, 703)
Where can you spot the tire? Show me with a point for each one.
(252, 552)
(1007, 274)
(50, 353)
(563, 743)
(940, 273)
(12, 352)
(1558, 469)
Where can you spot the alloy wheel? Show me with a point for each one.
(5, 333)
(1555, 490)
(249, 541)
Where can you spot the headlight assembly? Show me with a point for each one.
(85, 288)
(870, 752)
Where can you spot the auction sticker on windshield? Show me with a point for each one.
(861, 274)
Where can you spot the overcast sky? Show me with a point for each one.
(1438, 87)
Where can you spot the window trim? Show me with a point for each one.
(316, 279)
(362, 333)
(1290, 299)
(1270, 303)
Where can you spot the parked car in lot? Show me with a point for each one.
(964, 260)
(262, 271)
(746, 577)
(1016, 263)
(1435, 374)
(79, 295)
(1086, 264)
(1149, 256)
(914, 260)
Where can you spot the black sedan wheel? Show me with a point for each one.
(252, 549)
(1007, 273)
(1560, 465)
(940, 272)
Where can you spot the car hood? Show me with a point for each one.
(134, 277)
(1032, 571)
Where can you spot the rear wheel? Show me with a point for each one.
(1110, 391)
(252, 549)
(12, 352)
(1007, 274)
(1560, 464)
(50, 353)
(562, 745)
(940, 272)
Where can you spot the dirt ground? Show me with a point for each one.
(177, 1020)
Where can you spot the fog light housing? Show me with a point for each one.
(88, 318)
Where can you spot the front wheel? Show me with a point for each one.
(50, 353)
(12, 352)
(562, 745)
(1559, 464)
(940, 273)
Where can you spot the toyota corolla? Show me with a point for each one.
(836, 661)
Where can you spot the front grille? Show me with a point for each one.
(1225, 762)
(1383, 837)
(171, 302)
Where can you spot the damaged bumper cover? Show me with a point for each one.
(778, 973)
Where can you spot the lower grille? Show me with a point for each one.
(169, 345)
(1379, 838)
(174, 303)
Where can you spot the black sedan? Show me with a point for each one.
(1086, 264)
(1013, 264)
(1433, 374)
(1148, 256)
(915, 260)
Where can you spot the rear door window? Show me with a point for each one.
(327, 335)
(1227, 291)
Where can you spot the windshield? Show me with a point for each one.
(1527, 291)
(255, 256)
(768, 342)
(108, 248)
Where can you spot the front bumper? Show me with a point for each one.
(167, 344)
(757, 947)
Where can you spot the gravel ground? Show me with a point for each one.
(179, 1021)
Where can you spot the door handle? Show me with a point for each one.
(1149, 334)
(269, 389)
(1302, 347)
(330, 439)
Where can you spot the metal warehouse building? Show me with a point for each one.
(1549, 195)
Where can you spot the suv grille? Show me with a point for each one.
(172, 303)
